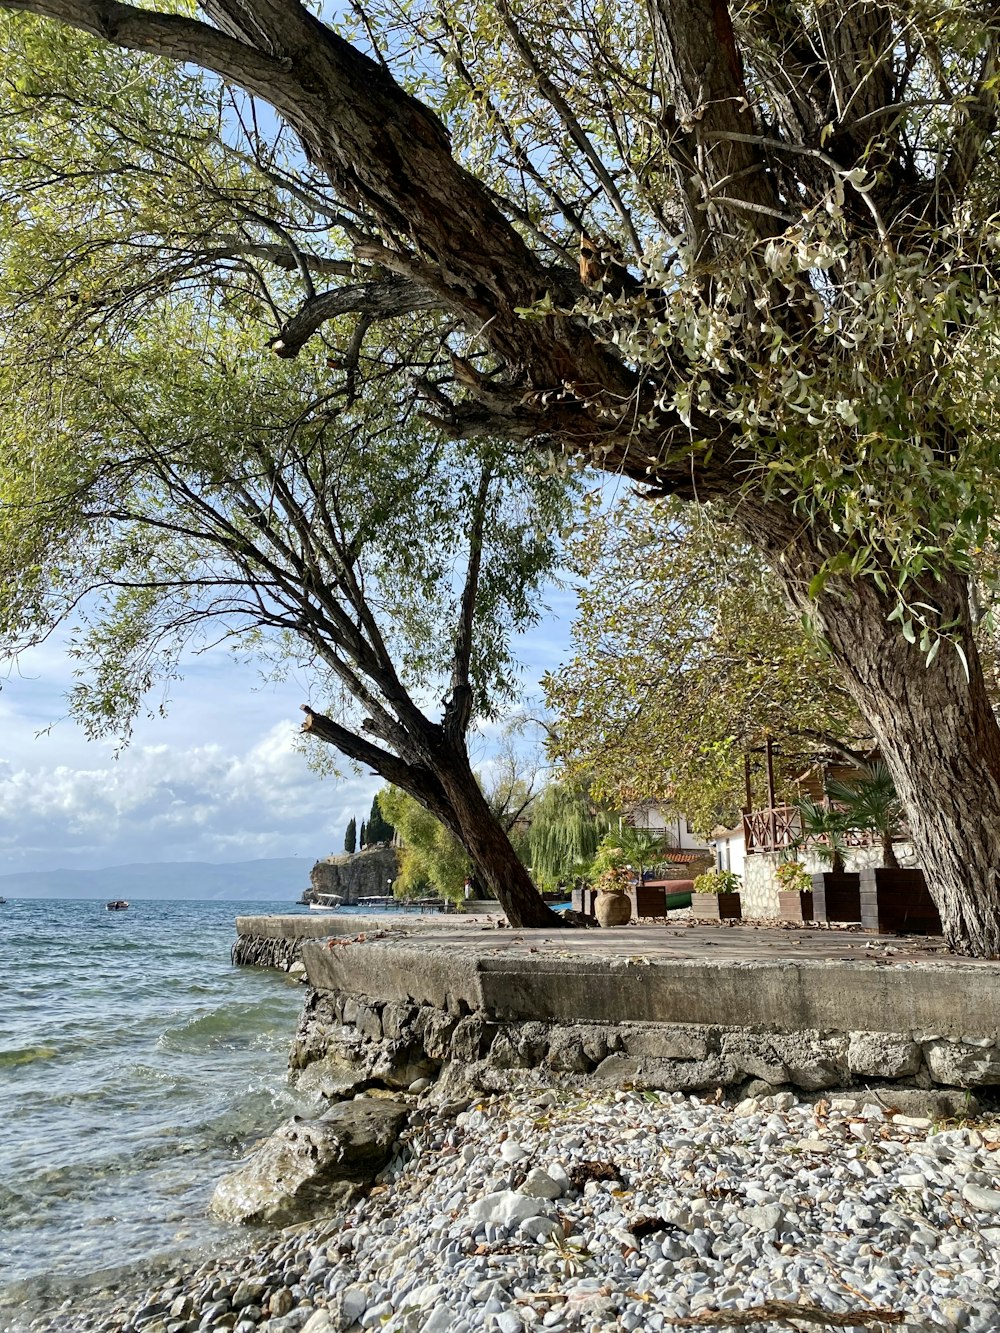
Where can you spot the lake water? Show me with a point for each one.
(136, 1064)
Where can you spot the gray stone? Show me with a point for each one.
(248, 1292)
(813, 1062)
(504, 1054)
(281, 1302)
(594, 1043)
(320, 1322)
(397, 1020)
(309, 1167)
(566, 1052)
(506, 1208)
(472, 1039)
(666, 1043)
(878, 1055)
(754, 1054)
(983, 1200)
(346, 1307)
(435, 1028)
(400, 1063)
(368, 1022)
(662, 1075)
(540, 1185)
(532, 1042)
(962, 1066)
(766, 1217)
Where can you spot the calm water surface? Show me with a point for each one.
(135, 1064)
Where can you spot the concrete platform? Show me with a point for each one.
(320, 925)
(758, 977)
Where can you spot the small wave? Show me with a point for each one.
(225, 1027)
(26, 1055)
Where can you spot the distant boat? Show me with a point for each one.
(116, 905)
(325, 902)
(2, 901)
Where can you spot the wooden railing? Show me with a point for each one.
(780, 827)
(771, 830)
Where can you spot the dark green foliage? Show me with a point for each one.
(379, 828)
(351, 836)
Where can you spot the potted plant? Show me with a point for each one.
(795, 892)
(837, 891)
(892, 898)
(612, 904)
(716, 896)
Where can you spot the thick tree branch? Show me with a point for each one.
(458, 709)
(380, 299)
(701, 79)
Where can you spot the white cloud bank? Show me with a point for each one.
(219, 779)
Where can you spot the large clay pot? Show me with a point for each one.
(612, 909)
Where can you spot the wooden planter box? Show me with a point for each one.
(583, 901)
(716, 906)
(647, 901)
(836, 897)
(795, 905)
(898, 901)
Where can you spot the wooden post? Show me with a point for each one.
(770, 794)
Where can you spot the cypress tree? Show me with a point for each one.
(351, 836)
(379, 828)
(364, 836)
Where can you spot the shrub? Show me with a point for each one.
(718, 881)
(615, 879)
(792, 876)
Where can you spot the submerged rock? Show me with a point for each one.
(311, 1168)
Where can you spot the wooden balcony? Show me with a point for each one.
(780, 827)
(771, 830)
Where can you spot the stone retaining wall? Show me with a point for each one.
(346, 1043)
(262, 951)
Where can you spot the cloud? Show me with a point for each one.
(219, 779)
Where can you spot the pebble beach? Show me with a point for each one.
(623, 1210)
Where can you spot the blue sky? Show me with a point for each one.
(219, 779)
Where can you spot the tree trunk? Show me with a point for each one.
(497, 865)
(938, 734)
(934, 725)
(889, 857)
(437, 774)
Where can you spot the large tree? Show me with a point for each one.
(786, 223)
(165, 484)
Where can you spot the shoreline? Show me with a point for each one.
(562, 1210)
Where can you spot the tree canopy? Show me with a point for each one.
(742, 254)
(686, 661)
(170, 484)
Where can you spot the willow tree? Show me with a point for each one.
(566, 830)
(786, 300)
(167, 484)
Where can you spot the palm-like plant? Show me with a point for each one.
(822, 829)
(870, 803)
(637, 847)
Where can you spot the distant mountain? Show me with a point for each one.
(282, 878)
